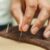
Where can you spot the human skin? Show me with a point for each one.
(16, 10)
(24, 20)
(31, 6)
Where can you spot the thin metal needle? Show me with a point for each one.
(20, 35)
(21, 31)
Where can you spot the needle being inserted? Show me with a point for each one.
(21, 32)
(20, 35)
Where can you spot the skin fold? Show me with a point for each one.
(16, 10)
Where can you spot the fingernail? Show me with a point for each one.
(25, 27)
(34, 30)
(47, 34)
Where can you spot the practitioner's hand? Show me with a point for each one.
(44, 14)
(17, 12)
(31, 6)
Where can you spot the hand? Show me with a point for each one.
(44, 14)
(17, 12)
(31, 7)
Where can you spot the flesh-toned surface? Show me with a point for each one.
(7, 44)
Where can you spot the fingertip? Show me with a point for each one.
(25, 27)
(46, 34)
(34, 30)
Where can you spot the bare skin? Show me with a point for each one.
(31, 6)
(16, 10)
(44, 14)
(24, 20)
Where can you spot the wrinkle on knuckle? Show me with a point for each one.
(33, 7)
(32, 4)
(29, 17)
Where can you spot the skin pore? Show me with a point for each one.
(16, 10)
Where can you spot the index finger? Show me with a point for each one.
(31, 6)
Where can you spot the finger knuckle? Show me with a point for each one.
(32, 4)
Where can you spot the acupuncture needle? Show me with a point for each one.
(20, 35)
